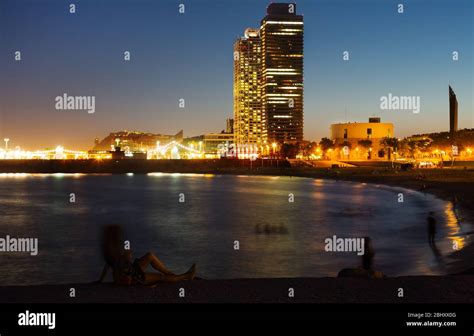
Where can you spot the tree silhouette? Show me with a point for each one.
(391, 144)
(326, 144)
(366, 144)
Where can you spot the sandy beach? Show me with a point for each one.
(421, 289)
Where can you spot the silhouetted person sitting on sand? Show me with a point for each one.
(366, 270)
(368, 256)
(431, 221)
(128, 272)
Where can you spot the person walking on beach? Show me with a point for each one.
(128, 272)
(454, 203)
(431, 221)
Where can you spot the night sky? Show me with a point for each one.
(189, 56)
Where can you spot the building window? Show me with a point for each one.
(369, 133)
(345, 133)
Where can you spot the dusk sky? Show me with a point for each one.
(189, 56)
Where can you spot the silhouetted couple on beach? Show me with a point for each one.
(126, 271)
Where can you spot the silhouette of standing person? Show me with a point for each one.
(368, 256)
(431, 228)
(454, 203)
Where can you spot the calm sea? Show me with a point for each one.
(276, 238)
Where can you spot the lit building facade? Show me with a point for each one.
(249, 122)
(212, 145)
(229, 125)
(353, 133)
(281, 35)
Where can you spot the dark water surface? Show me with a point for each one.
(218, 210)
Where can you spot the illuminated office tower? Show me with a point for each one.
(281, 35)
(249, 123)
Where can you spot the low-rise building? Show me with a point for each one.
(361, 140)
(214, 145)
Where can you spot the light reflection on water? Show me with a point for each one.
(459, 242)
(218, 210)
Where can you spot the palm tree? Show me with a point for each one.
(307, 149)
(345, 144)
(326, 144)
(389, 143)
(366, 144)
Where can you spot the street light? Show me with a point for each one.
(273, 152)
(6, 143)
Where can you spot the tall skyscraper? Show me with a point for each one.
(229, 125)
(281, 35)
(249, 123)
(453, 111)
